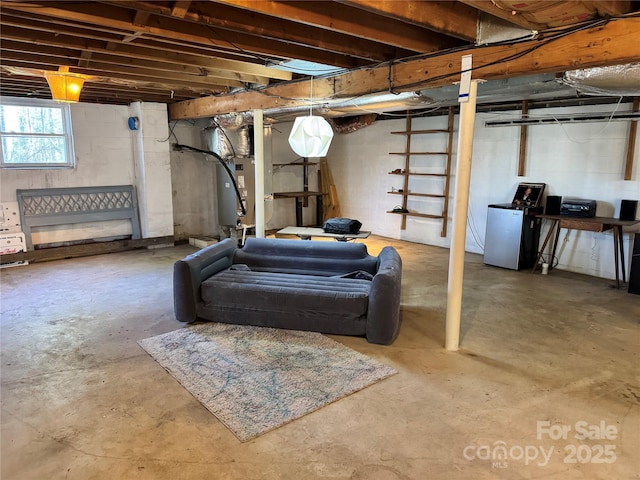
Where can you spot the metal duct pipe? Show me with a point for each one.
(332, 108)
(357, 106)
(622, 80)
(228, 143)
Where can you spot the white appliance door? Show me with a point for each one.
(502, 237)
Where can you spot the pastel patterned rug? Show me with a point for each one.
(256, 379)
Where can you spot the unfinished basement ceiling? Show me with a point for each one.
(176, 51)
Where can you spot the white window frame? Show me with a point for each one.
(67, 133)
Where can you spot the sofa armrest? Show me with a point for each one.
(383, 317)
(191, 271)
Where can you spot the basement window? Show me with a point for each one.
(35, 134)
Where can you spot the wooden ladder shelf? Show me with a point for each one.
(407, 173)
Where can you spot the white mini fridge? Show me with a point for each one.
(503, 239)
(513, 230)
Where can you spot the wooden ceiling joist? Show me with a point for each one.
(53, 60)
(539, 15)
(345, 19)
(90, 56)
(452, 18)
(232, 22)
(617, 44)
(59, 25)
(88, 40)
(175, 29)
(224, 47)
(31, 86)
(179, 9)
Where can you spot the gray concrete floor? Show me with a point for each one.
(81, 400)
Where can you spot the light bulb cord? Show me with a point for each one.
(311, 100)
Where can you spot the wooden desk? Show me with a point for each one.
(300, 197)
(590, 224)
(305, 233)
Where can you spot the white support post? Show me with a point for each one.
(461, 207)
(258, 142)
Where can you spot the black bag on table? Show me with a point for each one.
(341, 226)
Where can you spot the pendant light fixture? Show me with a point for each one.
(65, 86)
(311, 136)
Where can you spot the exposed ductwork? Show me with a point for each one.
(615, 80)
(606, 81)
(373, 104)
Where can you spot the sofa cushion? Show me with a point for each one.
(305, 257)
(286, 292)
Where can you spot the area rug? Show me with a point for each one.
(256, 379)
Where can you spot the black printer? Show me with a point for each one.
(578, 207)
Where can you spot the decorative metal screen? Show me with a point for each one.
(61, 206)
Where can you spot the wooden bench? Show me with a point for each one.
(63, 206)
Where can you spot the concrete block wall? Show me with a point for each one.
(177, 190)
(105, 155)
(289, 179)
(193, 181)
(584, 160)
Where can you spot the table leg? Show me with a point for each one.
(555, 246)
(621, 242)
(298, 212)
(319, 211)
(546, 240)
(615, 251)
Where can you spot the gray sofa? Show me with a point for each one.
(328, 287)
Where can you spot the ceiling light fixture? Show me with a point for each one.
(65, 86)
(311, 136)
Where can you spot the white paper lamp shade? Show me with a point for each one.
(310, 136)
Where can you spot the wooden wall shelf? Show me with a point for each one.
(406, 173)
(416, 214)
(417, 153)
(411, 194)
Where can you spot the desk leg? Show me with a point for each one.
(618, 244)
(298, 212)
(555, 245)
(319, 211)
(621, 243)
(546, 240)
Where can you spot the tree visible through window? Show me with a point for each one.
(35, 134)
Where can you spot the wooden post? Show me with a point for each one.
(258, 137)
(522, 159)
(460, 210)
(631, 146)
(407, 168)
